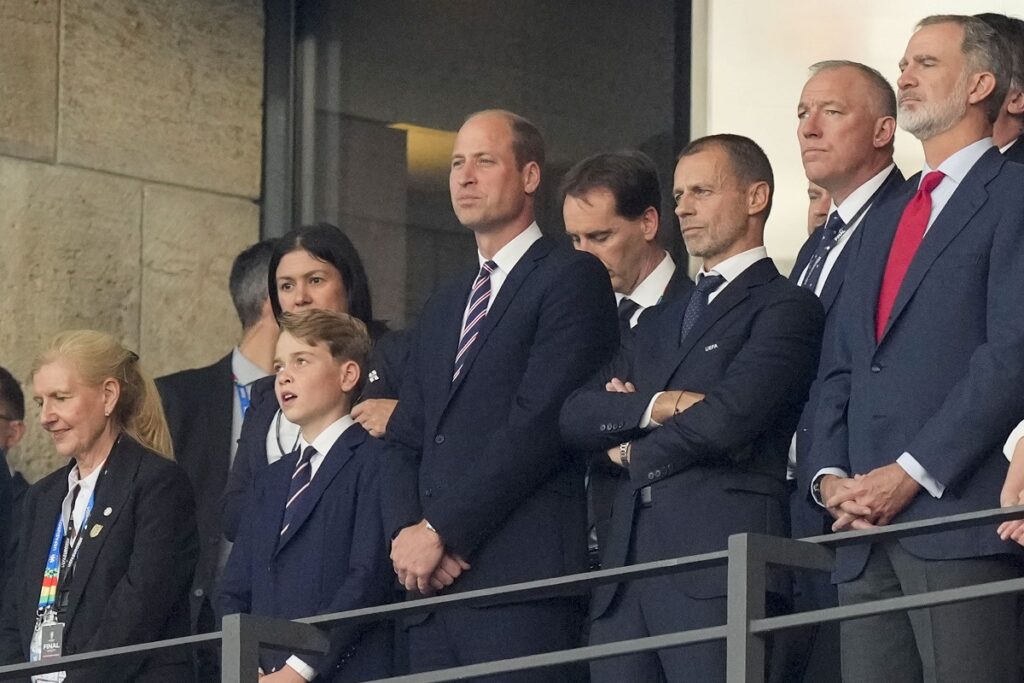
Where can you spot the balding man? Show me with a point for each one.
(482, 492)
(924, 381)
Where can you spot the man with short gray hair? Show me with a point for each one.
(924, 380)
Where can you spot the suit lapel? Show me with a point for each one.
(47, 512)
(961, 207)
(514, 280)
(334, 461)
(221, 411)
(113, 487)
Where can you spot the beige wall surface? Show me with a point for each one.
(129, 177)
(752, 63)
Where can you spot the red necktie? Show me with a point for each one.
(908, 238)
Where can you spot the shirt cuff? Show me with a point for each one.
(791, 463)
(918, 473)
(1011, 442)
(841, 473)
(647, 422)
(303, 669)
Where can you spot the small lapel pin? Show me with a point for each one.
(711, 347)
(107, 511)
(95, 530)
(373, 376)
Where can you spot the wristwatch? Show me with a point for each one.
(624, 454)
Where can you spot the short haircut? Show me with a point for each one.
(12, 399)
(748, 162)
(248, 281)
(984, 50)
(527, 142)
(329, 244)
(630, 176)
(1012, 31)
(344, 335)
(884, 100)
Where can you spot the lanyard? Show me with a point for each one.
(61, 557)
(243, 395)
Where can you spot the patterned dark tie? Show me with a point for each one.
(479, 298)
(706, 284)
(829, 239)
(300, 482)
(627, 307)
(909, 234)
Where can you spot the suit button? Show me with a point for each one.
(604, 428)
(650, 475)
(657, 473)
(428, 492)
(439, 439)
(876, 368)
(198, 592)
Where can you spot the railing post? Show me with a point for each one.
(242, 635)
(745, 601)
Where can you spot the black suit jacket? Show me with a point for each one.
(481, 458)
(134, 569)
(1016, 153)
(385, 368)
(944, 382)
(198, 404)
(333, 557)
(719, 467)
(809, 518)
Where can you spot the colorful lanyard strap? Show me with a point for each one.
(61, 557)
(243, 395)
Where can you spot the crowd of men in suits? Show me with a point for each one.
(878, 383)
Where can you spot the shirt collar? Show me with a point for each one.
(326, 439)
(961, 162)
(732, 267)
(649, 292)
(87, 484)
(245, 371)
(859, 197)
(1008, 145)
(510, 254)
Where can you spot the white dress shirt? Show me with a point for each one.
(955, 168)
(730, 269)
(323, 444)
(282, 437)
(651, 289)
(506, 259)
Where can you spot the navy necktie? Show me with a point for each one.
(627, 307)
(829, 239)
(479, 298)
(706, 284)
(300, 482)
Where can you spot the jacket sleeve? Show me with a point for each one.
(252, 444)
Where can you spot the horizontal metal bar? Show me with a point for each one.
(122, 654)
(947, 596)
(918, 528)
(572, 584)
(563, 657)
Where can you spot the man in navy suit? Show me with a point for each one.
(700, 416)
(611, 209)
(311, 539)
(481, 490)
(1008, 128)
(846, 122)
(924, 380)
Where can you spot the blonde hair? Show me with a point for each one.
(98, 356)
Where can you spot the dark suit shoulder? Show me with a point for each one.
(188, 379)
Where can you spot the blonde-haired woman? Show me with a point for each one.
(107, 544)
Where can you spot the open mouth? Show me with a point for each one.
(287, 397)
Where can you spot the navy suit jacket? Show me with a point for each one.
(198, 404)
(718, 468)
(810, 519)
(1016, 153)
(944, 382)
(332, 558)
(481, 458)
(382, 378)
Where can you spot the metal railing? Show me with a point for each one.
(747, 557)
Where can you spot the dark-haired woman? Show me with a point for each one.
(317, 267)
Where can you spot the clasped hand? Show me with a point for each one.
(422, 562)
(868, 500)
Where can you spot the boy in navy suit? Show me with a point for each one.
(311, 541)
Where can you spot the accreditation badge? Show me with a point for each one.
(51, 639)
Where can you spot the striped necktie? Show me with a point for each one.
(479, 298)
(300, 482)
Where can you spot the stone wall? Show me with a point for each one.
(129, 177)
